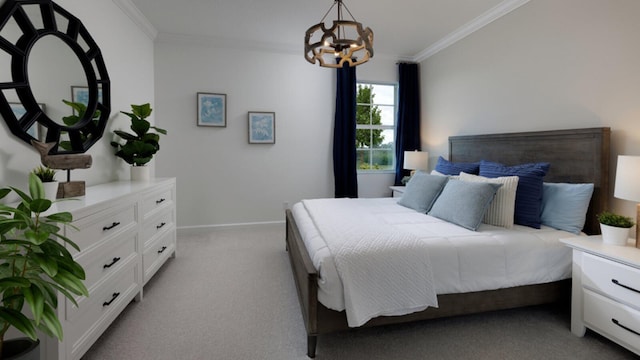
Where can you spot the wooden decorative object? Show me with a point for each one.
(64, 162)
(71, 189)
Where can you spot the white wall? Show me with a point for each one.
(547, 65)
(128, 54)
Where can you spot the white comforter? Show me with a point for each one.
(384, 271)
(461, 260)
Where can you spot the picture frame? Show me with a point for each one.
(80, 94)
(262, 127)
(36, 130)
(212, 109)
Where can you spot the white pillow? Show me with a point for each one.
(502, 208)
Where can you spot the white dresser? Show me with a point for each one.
(125, 231)
(606, 290)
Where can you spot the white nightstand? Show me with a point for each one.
(606, 290)
(397, 191)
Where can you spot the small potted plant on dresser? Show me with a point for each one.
(138, 148)
(35, 266)
(615, 228)
(48, 178)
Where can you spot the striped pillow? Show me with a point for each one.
(502, 208)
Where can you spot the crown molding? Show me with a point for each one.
(137, 17)
(474, 25)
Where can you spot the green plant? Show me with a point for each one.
(139, 147)
(44, 173)
(611, 219)
(34, 264)
(71, 120)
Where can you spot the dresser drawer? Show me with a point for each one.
(157, 225)
(616, 280)
(152, 202)
(157, 253)
(105, 260)
(618, 322)
(94, 229)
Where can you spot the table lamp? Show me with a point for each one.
(416, 160)
(627, 185)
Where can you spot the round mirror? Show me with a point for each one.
(52, 58)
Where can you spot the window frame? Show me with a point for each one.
(393, 127)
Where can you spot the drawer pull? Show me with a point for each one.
(110, 227)
(624, 327)
(625, 286)
(115, 260)
(158, 227)
(113, 298)
(160, 201)
(162, 250)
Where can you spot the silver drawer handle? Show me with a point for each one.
(624, 286)
(624, 327)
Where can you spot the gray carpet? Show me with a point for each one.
(229, 294)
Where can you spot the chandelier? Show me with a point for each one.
(345, 42)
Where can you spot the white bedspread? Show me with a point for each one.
(461, 260)
(384, 271)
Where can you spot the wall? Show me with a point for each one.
(547, 65)
(128, 54)
(221, 178)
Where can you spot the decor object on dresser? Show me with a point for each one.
(35, 264)
(332, 47)
(38, 21)
(48, 178)
(138, 148)
(626, 186)
(615, 228)
(606, 290)
(66, 162)
(262, 127)
(212, 109)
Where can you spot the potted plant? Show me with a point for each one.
(138, 148)
(615, 228)
(78, 113)
(34, 266)
(48, 178)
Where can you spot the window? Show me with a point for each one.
(376, 127)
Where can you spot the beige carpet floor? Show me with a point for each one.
(229, 294)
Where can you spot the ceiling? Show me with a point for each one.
(402, 28)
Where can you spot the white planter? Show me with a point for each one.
(614, 235)
(50, 190)
(140, 173)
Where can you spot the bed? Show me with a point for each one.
(576, 155)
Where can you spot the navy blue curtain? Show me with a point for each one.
(408, 127)
(344, 134)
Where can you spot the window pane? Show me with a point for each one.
(382, 159)
(386, 139)
(387, 115)
(384, 94)
(363, 138)
(363, 114)
(362, 161)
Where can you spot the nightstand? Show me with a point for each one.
(397, 191)
(606, 290)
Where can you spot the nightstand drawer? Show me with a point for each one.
(612, 279)
(614, 320)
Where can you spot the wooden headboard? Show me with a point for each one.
(576, 156)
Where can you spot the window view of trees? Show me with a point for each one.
(375, 126)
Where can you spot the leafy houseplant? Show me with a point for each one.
(34, 264)
(45, 174)
(138, 148)
(615, 228)
(71, 120)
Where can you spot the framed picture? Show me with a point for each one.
(212, 109)
(80, 94)
(36, 130)
(262, 127)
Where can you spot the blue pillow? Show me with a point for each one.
(529, 191)
(422, 190)
(564, 206)
(464, 203)
(447, 167)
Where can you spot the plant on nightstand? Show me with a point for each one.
(35, 266)
(615, 228)
(48, 178)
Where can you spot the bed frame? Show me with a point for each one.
(576, 156)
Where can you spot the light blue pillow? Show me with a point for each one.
(464, 203)
(564, 206)
(422, 190)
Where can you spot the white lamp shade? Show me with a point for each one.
(416, 160)
(627, 184)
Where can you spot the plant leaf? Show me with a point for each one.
(19, 321)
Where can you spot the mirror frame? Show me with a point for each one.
(87, 131)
